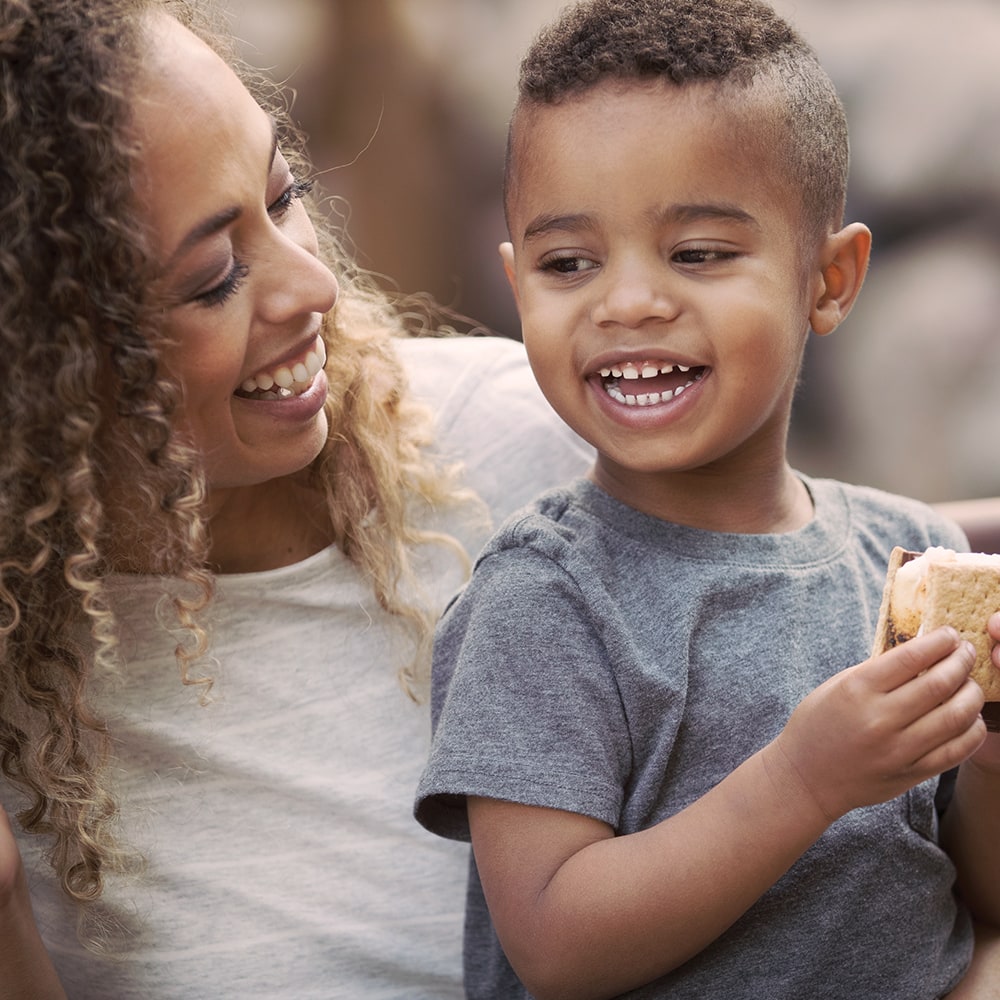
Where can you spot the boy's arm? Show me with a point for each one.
(582, 913)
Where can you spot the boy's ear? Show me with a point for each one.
(843, 261)
(507, 256)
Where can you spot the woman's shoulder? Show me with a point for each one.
(449, 371)
(490, 415)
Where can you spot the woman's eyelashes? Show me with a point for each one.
(226, 288)
(230, 284)
(294, 191)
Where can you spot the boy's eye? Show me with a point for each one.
(283, 202)
(567, 265)
(702, 255)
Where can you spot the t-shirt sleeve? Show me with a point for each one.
(525, 705)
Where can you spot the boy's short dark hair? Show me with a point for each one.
(736, 42)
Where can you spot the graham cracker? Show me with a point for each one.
(958, 595)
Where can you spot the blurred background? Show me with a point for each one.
(406, 104)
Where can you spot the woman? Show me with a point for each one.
(228, 524)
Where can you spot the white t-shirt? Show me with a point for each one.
(283, 859)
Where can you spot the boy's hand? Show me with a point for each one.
(875, 730)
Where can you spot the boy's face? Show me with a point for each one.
(656, 261)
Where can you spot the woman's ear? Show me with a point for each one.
(843, 262)
(507, 256)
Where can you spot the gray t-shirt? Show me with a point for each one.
(611, 664)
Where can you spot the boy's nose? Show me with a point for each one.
(635, 297)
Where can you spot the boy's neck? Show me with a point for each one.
(712, 500)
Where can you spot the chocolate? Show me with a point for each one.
(991, 716)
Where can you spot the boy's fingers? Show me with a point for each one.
(952, 732)
(993, 626)
(943, 720)
(899, 665)
(942, 679)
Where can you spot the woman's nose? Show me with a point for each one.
(298, 282)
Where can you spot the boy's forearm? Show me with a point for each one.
(970, 833)
(627, 910)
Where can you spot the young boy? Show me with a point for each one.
(654, 708)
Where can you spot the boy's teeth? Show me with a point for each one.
(632, 373)
(648, 370)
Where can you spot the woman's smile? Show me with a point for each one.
(286, 380)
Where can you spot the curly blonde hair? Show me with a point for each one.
(85, 399)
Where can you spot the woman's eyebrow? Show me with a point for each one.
(217, 222)
(274, 142)
(207, 227)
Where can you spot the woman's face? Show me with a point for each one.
(246, 292)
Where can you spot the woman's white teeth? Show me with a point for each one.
(285, 379)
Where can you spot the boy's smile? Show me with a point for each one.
(646, 383)
(665, 282)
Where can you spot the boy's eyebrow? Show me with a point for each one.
(217, 222)
(707, 210)
(696, 212)
(543, 224)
